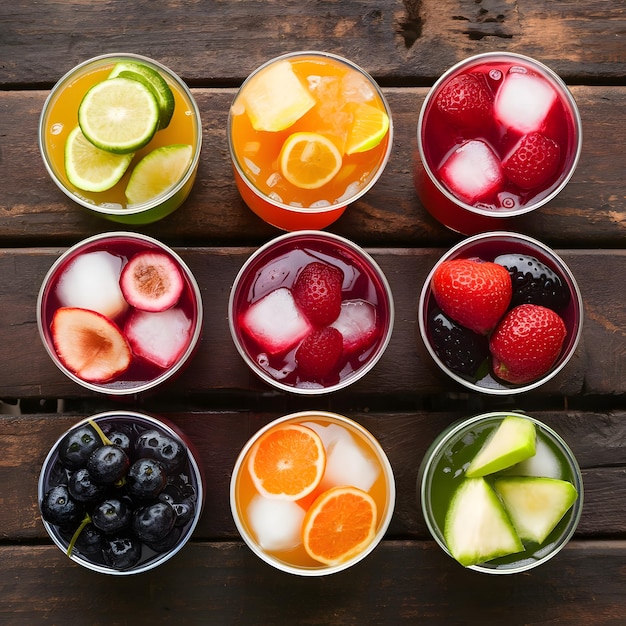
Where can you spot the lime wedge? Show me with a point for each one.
(368, 129)
(119, 115)
(90, 168)
(152, 79)
(157, 172)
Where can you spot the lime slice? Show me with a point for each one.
(119, 115)
(157, 172)
(90, 168)
(275, 98)
(152, 79)
(368, 129)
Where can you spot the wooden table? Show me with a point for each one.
(406, 45)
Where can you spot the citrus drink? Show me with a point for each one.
(309, 133)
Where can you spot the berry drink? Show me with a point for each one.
(121, 492)
(309, 133)
(119, 313)
(499, 135)
(338, 469)
(500, 313)
(525, 487)
(310, 312)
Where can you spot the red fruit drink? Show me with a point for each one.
(284, 339)
(498, 135)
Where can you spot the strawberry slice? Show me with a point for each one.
(526, 343)
(466, 101)
(320, 351)
(89, 344)
(533, 161)
(317, 292)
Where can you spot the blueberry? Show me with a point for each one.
(59, 508)
(534, 282)
(146, 478)
(89, 541)
(76, 447)
(168, 542)
(184, 511)
(82, 488)
(153, 522)
(121, 552)
(460, 349)
(108, 464)
(111, 515)
(121, 438)
(165, 449)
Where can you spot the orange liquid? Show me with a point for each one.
(257, 152)
(246, 491)
(62, 117)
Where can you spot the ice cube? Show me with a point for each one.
(544, 463)
(357, 324)
(473, 171)
(329, 434)
(523, 102)
(275, 321)
(91, 281)
(276, 524)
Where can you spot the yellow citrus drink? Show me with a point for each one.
(343, 123)
(275, 526)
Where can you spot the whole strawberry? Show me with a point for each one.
(466, 101)
(526, 343)
(319, 352)
(533, 161)
(317, 291)
(474, 293)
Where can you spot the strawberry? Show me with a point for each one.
(317, 292)
(472, 292)
(466, 101)
(526, 343)
(319, 352)
(533, 161)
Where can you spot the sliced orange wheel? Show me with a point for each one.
(340, 524)
(309, 160)
(368, 129)
(287, 462)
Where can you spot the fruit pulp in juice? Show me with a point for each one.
(62, 118)
(449, 471)
(360, 284)
(334, 86)
(442, 135)
(140, 370)
(366, 454)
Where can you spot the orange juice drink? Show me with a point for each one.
(309, 133)
(312, 493)
(60, 116)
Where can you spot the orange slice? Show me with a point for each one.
(287, 462)
(340, 524)
(368, 129)
(309, 160)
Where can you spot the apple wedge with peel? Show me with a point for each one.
(535, 505)
(513, 441)
(477, 527)
(89, 344)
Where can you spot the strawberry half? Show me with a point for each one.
(89, 344)
(319, 352)
(472, 292)
(526, 343)
(533, 161)
(317, 292)
(466, 101)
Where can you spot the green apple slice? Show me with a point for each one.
(535, 505)
(477, 527)
(513, 441)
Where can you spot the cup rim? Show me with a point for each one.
(563, 90)
(366, 259)
(562, 269)
(135, 209)
(452, 431)
(193, 464)
(322, 570)
(331, 207)
(163, 376)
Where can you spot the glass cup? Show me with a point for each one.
(254, 153)
(184, 491)
(468, 199)
(60, 115)
(440, 474)
(177, 330)
(263, 291)
(365, 466)
(488, 246)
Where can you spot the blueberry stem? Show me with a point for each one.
(105, 440)
(70, 547)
